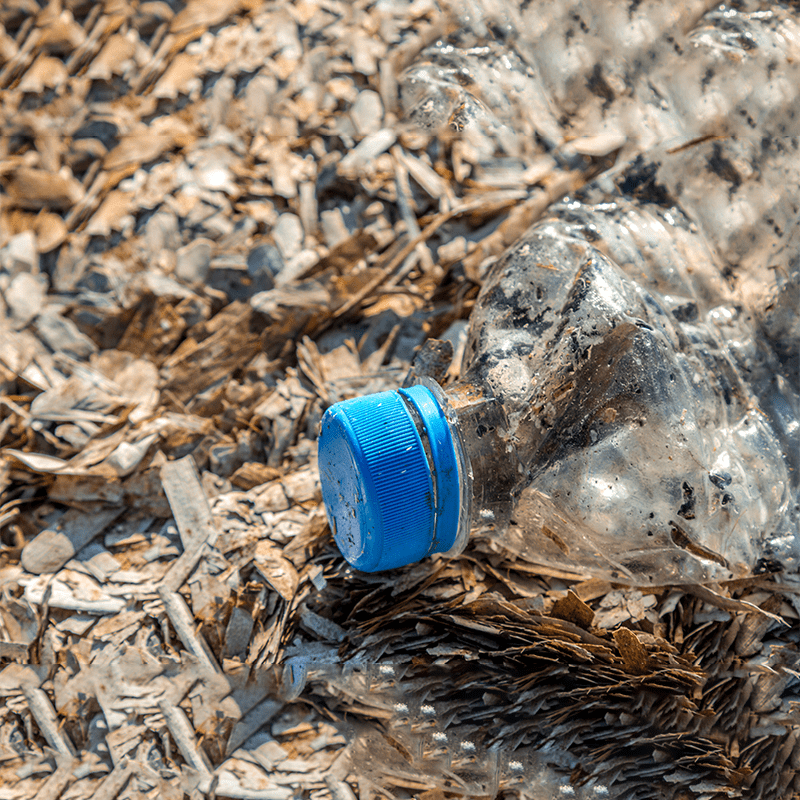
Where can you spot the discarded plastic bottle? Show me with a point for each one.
(600, 428)
(629, 402)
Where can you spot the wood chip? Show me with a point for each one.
(51, 549)
(45, 715)
(573, 609)
(183, 734)
(632, 651)
(182, 620)
(53, 787)
(217, 220)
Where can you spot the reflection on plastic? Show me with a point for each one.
(629, 403)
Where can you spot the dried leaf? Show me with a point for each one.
(276, 570)
(37, 188)
(45, 73)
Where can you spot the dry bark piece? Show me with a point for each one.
(252, 474)
(14, 651)
(255, 718)
(188, 502)
(346, 253)
(198, 14)
(182, 620)
(53, 787)
(45, 73)
(183, 735)
(193, 261)
(137, 148)
(87, 598)
(632, 651)
(51, 549)
(24, 298)
(114, 783)
(276, 570)
(111, 215)
(573, 609)
(423, 174)
(36, 188)
(238, 633)
(201, 365)
(45, 715)
(19, 254)
(178, 77)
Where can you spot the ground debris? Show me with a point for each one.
(216, 222)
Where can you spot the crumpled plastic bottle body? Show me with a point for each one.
(642, 425)
(629, 389)
(438, 740)
(640, 343)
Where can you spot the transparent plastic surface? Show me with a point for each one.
(644, 437)
(628, 405)
(629, 397)
(424, 737)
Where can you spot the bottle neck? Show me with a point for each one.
(479, 428)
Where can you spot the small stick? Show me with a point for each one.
(45, 716)
(182, 620)
(183, 735)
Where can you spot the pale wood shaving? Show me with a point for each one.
(215, 222)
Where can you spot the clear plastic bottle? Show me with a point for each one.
(645, 431)
(629, 396)
(592, 433)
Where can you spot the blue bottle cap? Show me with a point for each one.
(389, 473)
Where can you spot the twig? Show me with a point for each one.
(182, 620)
(183, 735)
(45, 716)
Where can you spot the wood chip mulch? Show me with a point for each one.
(215, 223)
